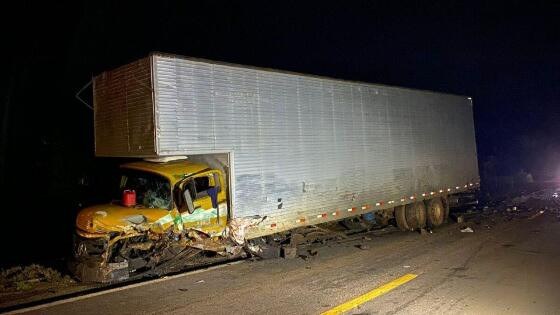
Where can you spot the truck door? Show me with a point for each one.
(210, 204)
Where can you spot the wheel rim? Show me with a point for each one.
(436, 212)
(416, 215)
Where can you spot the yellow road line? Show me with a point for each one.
(370, 295)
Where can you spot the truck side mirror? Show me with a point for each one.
(188, 200)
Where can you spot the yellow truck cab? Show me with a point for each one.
(170, 198)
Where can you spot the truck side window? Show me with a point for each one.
(202, 184)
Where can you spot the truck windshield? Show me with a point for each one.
(152, 190)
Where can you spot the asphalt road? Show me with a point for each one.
(512, 267)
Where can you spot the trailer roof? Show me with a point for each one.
(157, 53)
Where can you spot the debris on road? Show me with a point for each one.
(312, 253)
(467, 230)
(289, 252)
(426, 231)
(26, 278)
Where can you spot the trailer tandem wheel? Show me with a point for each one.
(415, 215)
(435, 212)
(400, 217)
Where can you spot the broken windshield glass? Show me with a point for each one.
(152, 190)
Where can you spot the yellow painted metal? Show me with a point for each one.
(102, 220)
(370, 295)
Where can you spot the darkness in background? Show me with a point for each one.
(503, 54)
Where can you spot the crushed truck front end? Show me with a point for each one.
(113, 241)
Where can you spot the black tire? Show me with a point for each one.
(416, 215)
(400, 217)
(435, 212)
(381, 219)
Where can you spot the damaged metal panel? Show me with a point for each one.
(123, 111)
(306, 144)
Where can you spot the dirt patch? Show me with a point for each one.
(30, 277)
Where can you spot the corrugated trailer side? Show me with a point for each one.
(309, 149)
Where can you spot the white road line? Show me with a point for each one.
(134, 285)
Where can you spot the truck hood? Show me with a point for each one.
(107, 218)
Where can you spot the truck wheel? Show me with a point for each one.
(416, 215)
(400, 217)
(382, 218)
(435, 212)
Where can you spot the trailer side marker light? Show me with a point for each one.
(323, 215)
(273, 225)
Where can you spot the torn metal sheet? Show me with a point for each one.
(237, 228)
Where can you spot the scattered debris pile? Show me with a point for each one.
(525, 205)
(27, 278)
(539, 202)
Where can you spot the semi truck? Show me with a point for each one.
(226, 154)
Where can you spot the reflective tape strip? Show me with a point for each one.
(199, 215)
(165, 219)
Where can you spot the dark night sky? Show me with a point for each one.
(506, 55)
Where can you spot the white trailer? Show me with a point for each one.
(299, 149)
